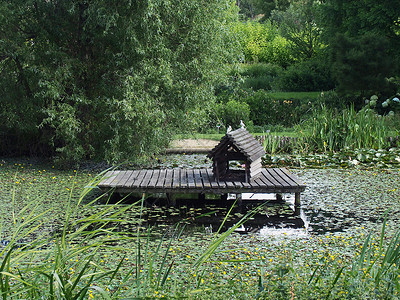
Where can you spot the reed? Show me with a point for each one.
(331, 131)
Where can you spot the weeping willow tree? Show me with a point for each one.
(107, 79)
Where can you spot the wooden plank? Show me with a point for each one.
(146, 179)
(269, 180)
(138, 179)
(257, 182)
(117, 178)
(197, 179)
(161, 179)
(108, 178)
(275, 178)
(154, 179)
(292, 176)
(229, 184)
(190, 175)
(168, 179)
(238, 184)
(257, 155)
(205, 178)
(132, 178)
(184, 182)
(246, 185)
(254, 149)
(176, 179)
(213, 181)
(124, 179)
(286, 178)
(251, 145)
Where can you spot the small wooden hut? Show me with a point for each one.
(240, 146)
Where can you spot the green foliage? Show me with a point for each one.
(329, 130)
(265, 109)
(108, 80)
(298, 25)
(363, 39)
(231, 112)
(260, 42)
(360, 65)
(265, 7)
(311, 75)
(260, 76)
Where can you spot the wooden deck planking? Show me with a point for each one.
(168, 179)
(293, 177)
(270, 177)
(206, 179)
(154, 179)
(183, 178)
(124, 179)
(146, 179)
(213, 183)
(117, 178)
(176, 179)
(287, 179)
(109, 177)
(190, 179)
(199, 181)
(132, 178)
(138, 180)
(161, 179)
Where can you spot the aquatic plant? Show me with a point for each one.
(329, 130)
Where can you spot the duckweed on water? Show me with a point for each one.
(342, 208)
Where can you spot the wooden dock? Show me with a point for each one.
(201, 181)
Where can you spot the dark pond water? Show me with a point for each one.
(335, 200)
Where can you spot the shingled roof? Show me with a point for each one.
(243, 141)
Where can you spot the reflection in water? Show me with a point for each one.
(276, 217)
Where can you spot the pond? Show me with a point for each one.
(336, 200)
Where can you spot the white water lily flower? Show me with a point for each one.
(395, 99)
(372, 103)
(385, 104)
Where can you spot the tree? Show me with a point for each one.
(108, 79)
(265, 7)
(298, 25)
(363, 36)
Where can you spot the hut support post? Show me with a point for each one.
(171, 199)
(297, 199)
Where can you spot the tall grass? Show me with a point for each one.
(329, 130)
(374, 272)
(66, 264)
(61, 265)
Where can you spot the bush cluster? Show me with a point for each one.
(261, 108)
(307, 76)
(265, 109)
(260, 42)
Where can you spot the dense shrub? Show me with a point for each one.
(260, 76)
(312, 75)
(261, 43)
(265, 110)
(231, 112)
